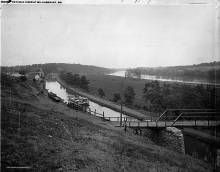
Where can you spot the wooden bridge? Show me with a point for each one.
(169, 118)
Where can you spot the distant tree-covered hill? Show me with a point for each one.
(209, 71)
(58, 67)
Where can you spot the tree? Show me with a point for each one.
(75, 80)
(116, 97)
(84, 83)
(129, 95)
(23, 78)
(152, 95)
(22, 72)
(101, 92)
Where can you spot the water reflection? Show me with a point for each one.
(107, 112)
(55, 87)
(168, 79)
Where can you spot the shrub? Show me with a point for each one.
(23, 78)
(101, 92)
(116, 97)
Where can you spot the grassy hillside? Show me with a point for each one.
(170, 95)
(113, 84)
(46, 136)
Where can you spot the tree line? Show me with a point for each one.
(209, 71)
(159, 96)
(128, 96)
(75, 80)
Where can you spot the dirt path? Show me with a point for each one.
(111, 105)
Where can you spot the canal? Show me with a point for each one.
(55, 87)
(170, 138)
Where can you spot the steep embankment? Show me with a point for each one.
(40, 134)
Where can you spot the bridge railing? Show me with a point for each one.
(189, 115)
(172, 114)
(196, 116)
(110, 118)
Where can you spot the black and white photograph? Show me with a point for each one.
(110, 85)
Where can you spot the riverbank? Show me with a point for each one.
(111, 105)
(41, 135)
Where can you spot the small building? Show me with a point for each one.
(36, 74)
(37, 77)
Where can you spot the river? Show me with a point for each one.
(168, 79)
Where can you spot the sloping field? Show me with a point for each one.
(42, 135)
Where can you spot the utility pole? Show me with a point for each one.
(122, 83)
(121, 102)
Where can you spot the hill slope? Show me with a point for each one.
(58, 67)
(43, 135)
(209, 71)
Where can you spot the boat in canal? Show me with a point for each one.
(78, 103)
(54, 97)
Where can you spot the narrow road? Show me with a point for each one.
(102, 102)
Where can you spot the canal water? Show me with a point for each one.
(55, 87)
(168, 79)
(171, 138)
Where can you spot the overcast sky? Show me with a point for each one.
(109, 35)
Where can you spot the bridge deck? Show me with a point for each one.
(162, 124)
(184, 119)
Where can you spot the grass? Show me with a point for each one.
(175, 97)
(52, 137)
(113, 84)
